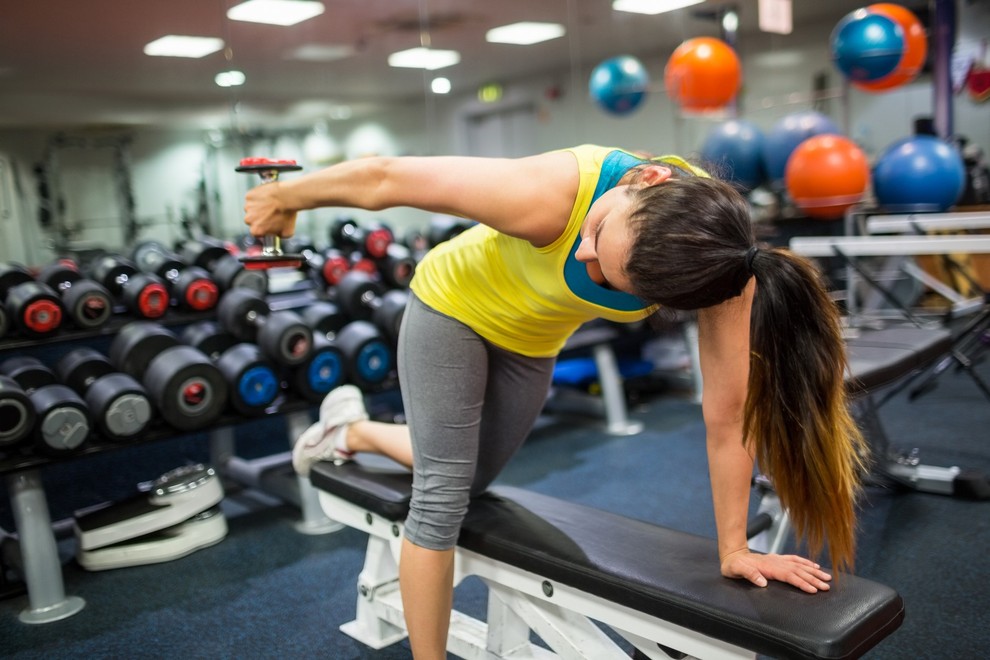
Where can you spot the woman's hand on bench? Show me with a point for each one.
(800, 572)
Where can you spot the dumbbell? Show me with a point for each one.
(17, 416)
(271, 255)
(4, 321)
(368, 358)
(325, 369)
(254, 385)
(445, 227)
(417, 242)
(328, 267)
(118, 404)
(62, 419)
(371, 240)
(282, 335)
(227, 270)
(397, 267)
(191, 286)
(364, 299)
(144, 294)
(34, 307)
(86, 301)
(186, 388)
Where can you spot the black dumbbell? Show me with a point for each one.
(4, 321)
(34, 307)
(325, 369)
(17, 416)
(445, 227)
(144, 294)
(190, 286)
(227, 270)
(327, 267)
(117, 402)
(186, 388)
(364, 299)
(397, 267)
(417, 242)
(254, 385)
(282, 335)
(368, 358)
(371, 239)
(86, 301)
(62, 419)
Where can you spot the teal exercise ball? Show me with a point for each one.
(619, 84)
(919, 174)
(867, 46)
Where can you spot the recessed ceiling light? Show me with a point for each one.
(525, 33)
(652, 6)
(440, 86)
(230, 79)
(424, 58)
(174, 45)
(321, 52)
(275, 12)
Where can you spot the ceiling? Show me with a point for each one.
(71, 63)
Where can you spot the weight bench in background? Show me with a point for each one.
(555, 568)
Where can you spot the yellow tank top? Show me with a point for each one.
(525, 299)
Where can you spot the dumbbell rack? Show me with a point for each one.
(21, 470)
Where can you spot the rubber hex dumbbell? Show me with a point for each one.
(35, 309)
(63, 422)
(186, 388)
(227, 270)
(397, 267)
(282, 335)
(328, 267)
(190, 286)
(144, 294)
(363, 298)
(86, 301)
(17, 416)
(254, 384)
(118, 404)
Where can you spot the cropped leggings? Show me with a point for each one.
(469, 406)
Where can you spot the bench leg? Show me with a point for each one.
(378, 622)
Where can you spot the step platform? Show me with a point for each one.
(177, 516)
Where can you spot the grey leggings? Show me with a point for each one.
(469, 405)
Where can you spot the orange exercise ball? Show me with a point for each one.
(703, 74)
(915, 48)
(826, 174)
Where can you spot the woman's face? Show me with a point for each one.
(606, 237)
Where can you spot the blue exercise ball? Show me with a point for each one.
(919, 174)
(867, 46)
(619, 84)
(787, 134)
(735, 148)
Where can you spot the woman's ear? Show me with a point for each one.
(651, 175)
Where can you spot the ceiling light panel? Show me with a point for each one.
(652, 6)
(424, 58)
(174, 45)
(525, 33)
(275, 12)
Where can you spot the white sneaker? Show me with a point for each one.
(326, 440)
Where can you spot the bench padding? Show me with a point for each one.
(664, 573)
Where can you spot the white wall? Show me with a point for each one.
(167, 167)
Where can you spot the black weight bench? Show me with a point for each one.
(554, 567)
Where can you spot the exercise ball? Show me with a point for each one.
(618, 85)
(735, 148)
(919, 174)
(787, 134)
(826, 174)
(915, 49)
(702, 74)
(867, 46)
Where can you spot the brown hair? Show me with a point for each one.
(691, 251)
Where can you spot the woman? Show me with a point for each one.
(565, 237)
